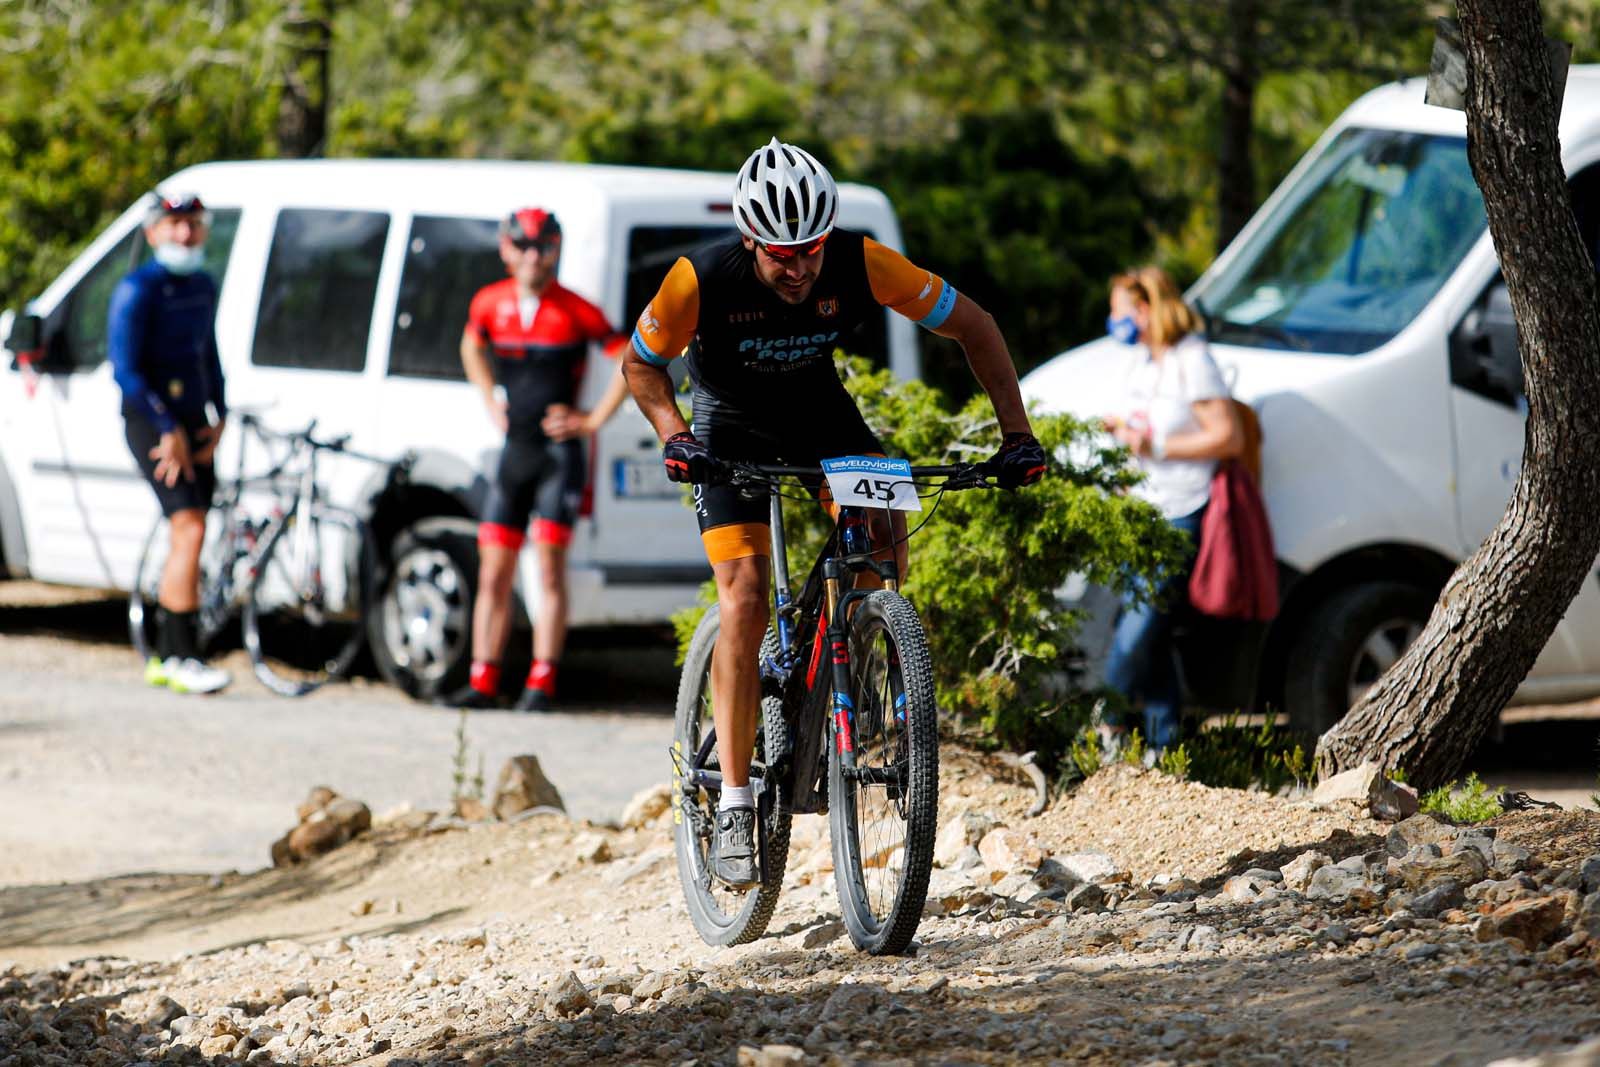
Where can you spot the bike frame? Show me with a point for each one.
(825, 593)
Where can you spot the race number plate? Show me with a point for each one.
(872, 482)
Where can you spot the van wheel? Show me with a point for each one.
(1345, 646)
(420, 628)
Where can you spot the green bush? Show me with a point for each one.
(985, 569)
(1464, 802)
(1236, 756)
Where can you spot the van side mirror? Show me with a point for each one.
(1484, 354)
(25, 340)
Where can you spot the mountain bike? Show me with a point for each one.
(295, 569)
(847, 726)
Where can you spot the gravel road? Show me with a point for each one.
(101, 775)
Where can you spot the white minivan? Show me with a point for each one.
(1361, 313)
(344, 291)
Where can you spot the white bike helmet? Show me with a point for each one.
(783, 196)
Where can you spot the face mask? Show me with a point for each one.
(1123, 329)
(180, 259)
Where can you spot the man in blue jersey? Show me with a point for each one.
(163, 351)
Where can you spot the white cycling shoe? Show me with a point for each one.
(193, 676)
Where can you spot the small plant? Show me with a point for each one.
(1084, 752)
(1466, 802)
(1398, 775)
(465, 786)
(1233, 755)
(1133, 750)
(1175, 761)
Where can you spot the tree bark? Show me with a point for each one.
(1236, 177)
(1428, 713)
(302, 127)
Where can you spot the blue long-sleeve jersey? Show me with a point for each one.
(163, 346)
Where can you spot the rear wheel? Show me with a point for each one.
(883, 812)
(221, 584)
(1346, 645)
(723, 916)
(301, 631)
(421, 627)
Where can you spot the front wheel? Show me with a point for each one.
(883, 812)
(220, 567)
(421, 627)
(721, 915)
(303, 617)
(1346, 645)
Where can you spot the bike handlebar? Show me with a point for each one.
(956, 475)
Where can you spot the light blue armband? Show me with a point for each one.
(642, 350)
(941, 309)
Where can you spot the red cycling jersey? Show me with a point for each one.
(540, 363)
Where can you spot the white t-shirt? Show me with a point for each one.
(1161, 394)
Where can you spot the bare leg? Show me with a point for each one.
(180, 575)
(491, 614)
(550, 624)
(742, 586)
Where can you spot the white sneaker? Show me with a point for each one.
(192, 676)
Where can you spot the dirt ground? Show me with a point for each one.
(529, 943)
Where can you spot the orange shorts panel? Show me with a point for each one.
(736, 541)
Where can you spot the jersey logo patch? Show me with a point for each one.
(828, 307)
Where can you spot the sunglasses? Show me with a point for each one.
(788, 252)
(545, 247)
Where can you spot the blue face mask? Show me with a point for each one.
(1123, 329)
(180, 259)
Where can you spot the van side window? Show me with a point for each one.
(316, 299)
(81, 343)
(652, 250)
(1484, 355)
(447, 261)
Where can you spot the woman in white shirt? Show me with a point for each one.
(1176, 419)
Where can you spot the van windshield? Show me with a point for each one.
(1361, 244)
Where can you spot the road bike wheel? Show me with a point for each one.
(300, 638)
(883, 813)
(219, 587)
(721, 915)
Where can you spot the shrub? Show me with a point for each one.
(1235, 756)
(1466, 802)
(985, 570)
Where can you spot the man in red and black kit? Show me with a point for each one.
(538, 334)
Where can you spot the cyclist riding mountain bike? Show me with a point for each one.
(765, 310)
(538, 334)
(162, 344)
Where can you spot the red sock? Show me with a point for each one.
(542, 676)
(485, 677)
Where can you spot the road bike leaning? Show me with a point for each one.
(296, 569)
(847, 726)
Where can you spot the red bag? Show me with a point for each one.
(1236, 573)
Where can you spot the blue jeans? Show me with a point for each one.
(1142, 659)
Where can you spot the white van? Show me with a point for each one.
(344, 291)
(1362, 314)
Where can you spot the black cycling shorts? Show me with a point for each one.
(734, 523)
(544, 478)
(142, 436)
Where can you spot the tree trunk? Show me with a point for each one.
(1236, 178)
(1428, 713)
(302, 126)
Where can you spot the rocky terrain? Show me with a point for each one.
(1139, 920)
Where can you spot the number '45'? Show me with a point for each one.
(876, 489)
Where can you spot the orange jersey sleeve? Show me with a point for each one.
(905, 288)
(668, 322)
